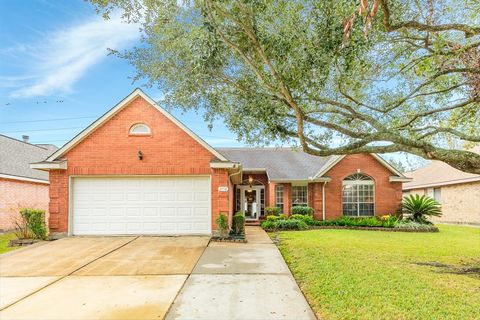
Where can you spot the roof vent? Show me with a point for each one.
(25, 138)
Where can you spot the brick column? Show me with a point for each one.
(315, 199)
(287, 198)
(270, 200)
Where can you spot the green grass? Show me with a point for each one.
(351, 274)
(4, 239)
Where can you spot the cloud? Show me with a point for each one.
(64, 56)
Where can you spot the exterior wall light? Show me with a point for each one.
(140, 155)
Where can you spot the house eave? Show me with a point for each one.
(24, 179)
(399, 179)
(224, 165)
(49, 165)
(441, 184)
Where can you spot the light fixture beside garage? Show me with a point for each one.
(140, 155)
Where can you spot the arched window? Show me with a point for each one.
(358, 195)
(140, 129)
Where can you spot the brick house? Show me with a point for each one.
(138, 170)
(21, 186)
(458, 192)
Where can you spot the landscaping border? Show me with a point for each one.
(360, 228)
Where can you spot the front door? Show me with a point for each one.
(251, 203)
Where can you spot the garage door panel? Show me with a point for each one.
(153, 205)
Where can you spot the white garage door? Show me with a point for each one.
(153, 205)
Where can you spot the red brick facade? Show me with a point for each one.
(16, 194)
(110, 150)
(169, 150)
(388, 195)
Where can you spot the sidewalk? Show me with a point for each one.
(241, 281)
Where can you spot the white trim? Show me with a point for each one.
(327, 166)
(399, 179)
(361, 182)
(254, 169)
(257, 189)
(387, 165)
(107, 116)
(224, 165)
(46, 166)
(444, 183)
(11, 177)
(138, 125)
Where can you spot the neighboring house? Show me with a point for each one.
(458, 192)
(138, 170)
(21, 186)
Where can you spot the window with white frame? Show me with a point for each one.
(140, 129)
(299, 196)
(437, 194)
(358, 195)
(279, 197)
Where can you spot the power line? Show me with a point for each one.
(46, 120)
(38, 130)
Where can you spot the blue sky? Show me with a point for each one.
(56, 76)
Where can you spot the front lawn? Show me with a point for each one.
(4, 240)
(350, 274)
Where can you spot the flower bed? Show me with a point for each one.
(385, 223)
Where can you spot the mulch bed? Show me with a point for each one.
(230, 238)
(363, 228)
(376, 229)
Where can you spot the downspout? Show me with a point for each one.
(323, 199)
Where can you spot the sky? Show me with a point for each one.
(56, 76)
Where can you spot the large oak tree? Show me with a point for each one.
(338, 76)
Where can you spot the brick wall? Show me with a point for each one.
(15, 194)
(388, 195)
(110, 150)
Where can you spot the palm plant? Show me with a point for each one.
(419, 207)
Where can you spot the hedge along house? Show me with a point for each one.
(138, 170)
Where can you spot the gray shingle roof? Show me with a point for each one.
(281, 163)
(16, 156)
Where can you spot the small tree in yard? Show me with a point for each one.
(222, 224)
(421, 207)
(31, 224)
(335, 77)
(238, 223)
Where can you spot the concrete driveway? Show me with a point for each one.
(150, 278)
(97, 278)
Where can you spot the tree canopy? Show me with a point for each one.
(336, 76)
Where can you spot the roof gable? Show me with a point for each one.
(117, 108)
(337, 159)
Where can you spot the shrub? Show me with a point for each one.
(303, 210)
(416, 226)
(420, 207)
(272, 211)
(282, 216)
(280, 224)
(32, 224)
(307, 219)
(272, 218)
(238, 223)
(222, 224)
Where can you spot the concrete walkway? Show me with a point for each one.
(241, 281)
(150, 278)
